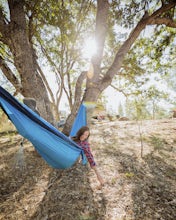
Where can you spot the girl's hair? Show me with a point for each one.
(80, 132)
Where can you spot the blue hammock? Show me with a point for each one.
(58, 150)
(80, 120)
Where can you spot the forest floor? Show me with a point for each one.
(137, 161)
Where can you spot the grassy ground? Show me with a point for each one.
(137, 161)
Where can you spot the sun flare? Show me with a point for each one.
(89, 48)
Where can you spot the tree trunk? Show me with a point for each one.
(16, 37)
(78, 100)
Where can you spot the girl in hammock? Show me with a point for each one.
(81, 139)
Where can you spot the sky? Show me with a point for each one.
(114, 98)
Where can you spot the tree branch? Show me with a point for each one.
(3, 25)
(119, 90)
(160, 11)
(167, 21)
(100, 34)
(10, 76)
(145, 20)
(45, 82)
(125, 94)
(77, 102)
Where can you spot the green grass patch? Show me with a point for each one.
(129, 175)
(157, 143)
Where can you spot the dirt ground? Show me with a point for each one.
(137, 161)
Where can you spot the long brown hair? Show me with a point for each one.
(80, 132)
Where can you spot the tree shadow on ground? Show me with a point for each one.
(18, 176)
(67, 194)
(13, 174)
(70, 197)
(154, 194)
(153, 185)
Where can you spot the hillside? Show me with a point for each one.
(137, 188)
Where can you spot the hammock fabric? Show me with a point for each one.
(80, 120)
(58, 150)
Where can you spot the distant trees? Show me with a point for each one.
(146, 105)
(120, 110)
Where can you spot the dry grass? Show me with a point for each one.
(136, 189)
(5, 125)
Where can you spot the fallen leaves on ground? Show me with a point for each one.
(137, 161)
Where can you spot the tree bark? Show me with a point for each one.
(78, 100)
(16, 37)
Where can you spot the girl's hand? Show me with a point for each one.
(100, 179)
(102, 182)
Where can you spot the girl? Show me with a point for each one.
(81, 139)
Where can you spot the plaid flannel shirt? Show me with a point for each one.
(86, 148)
